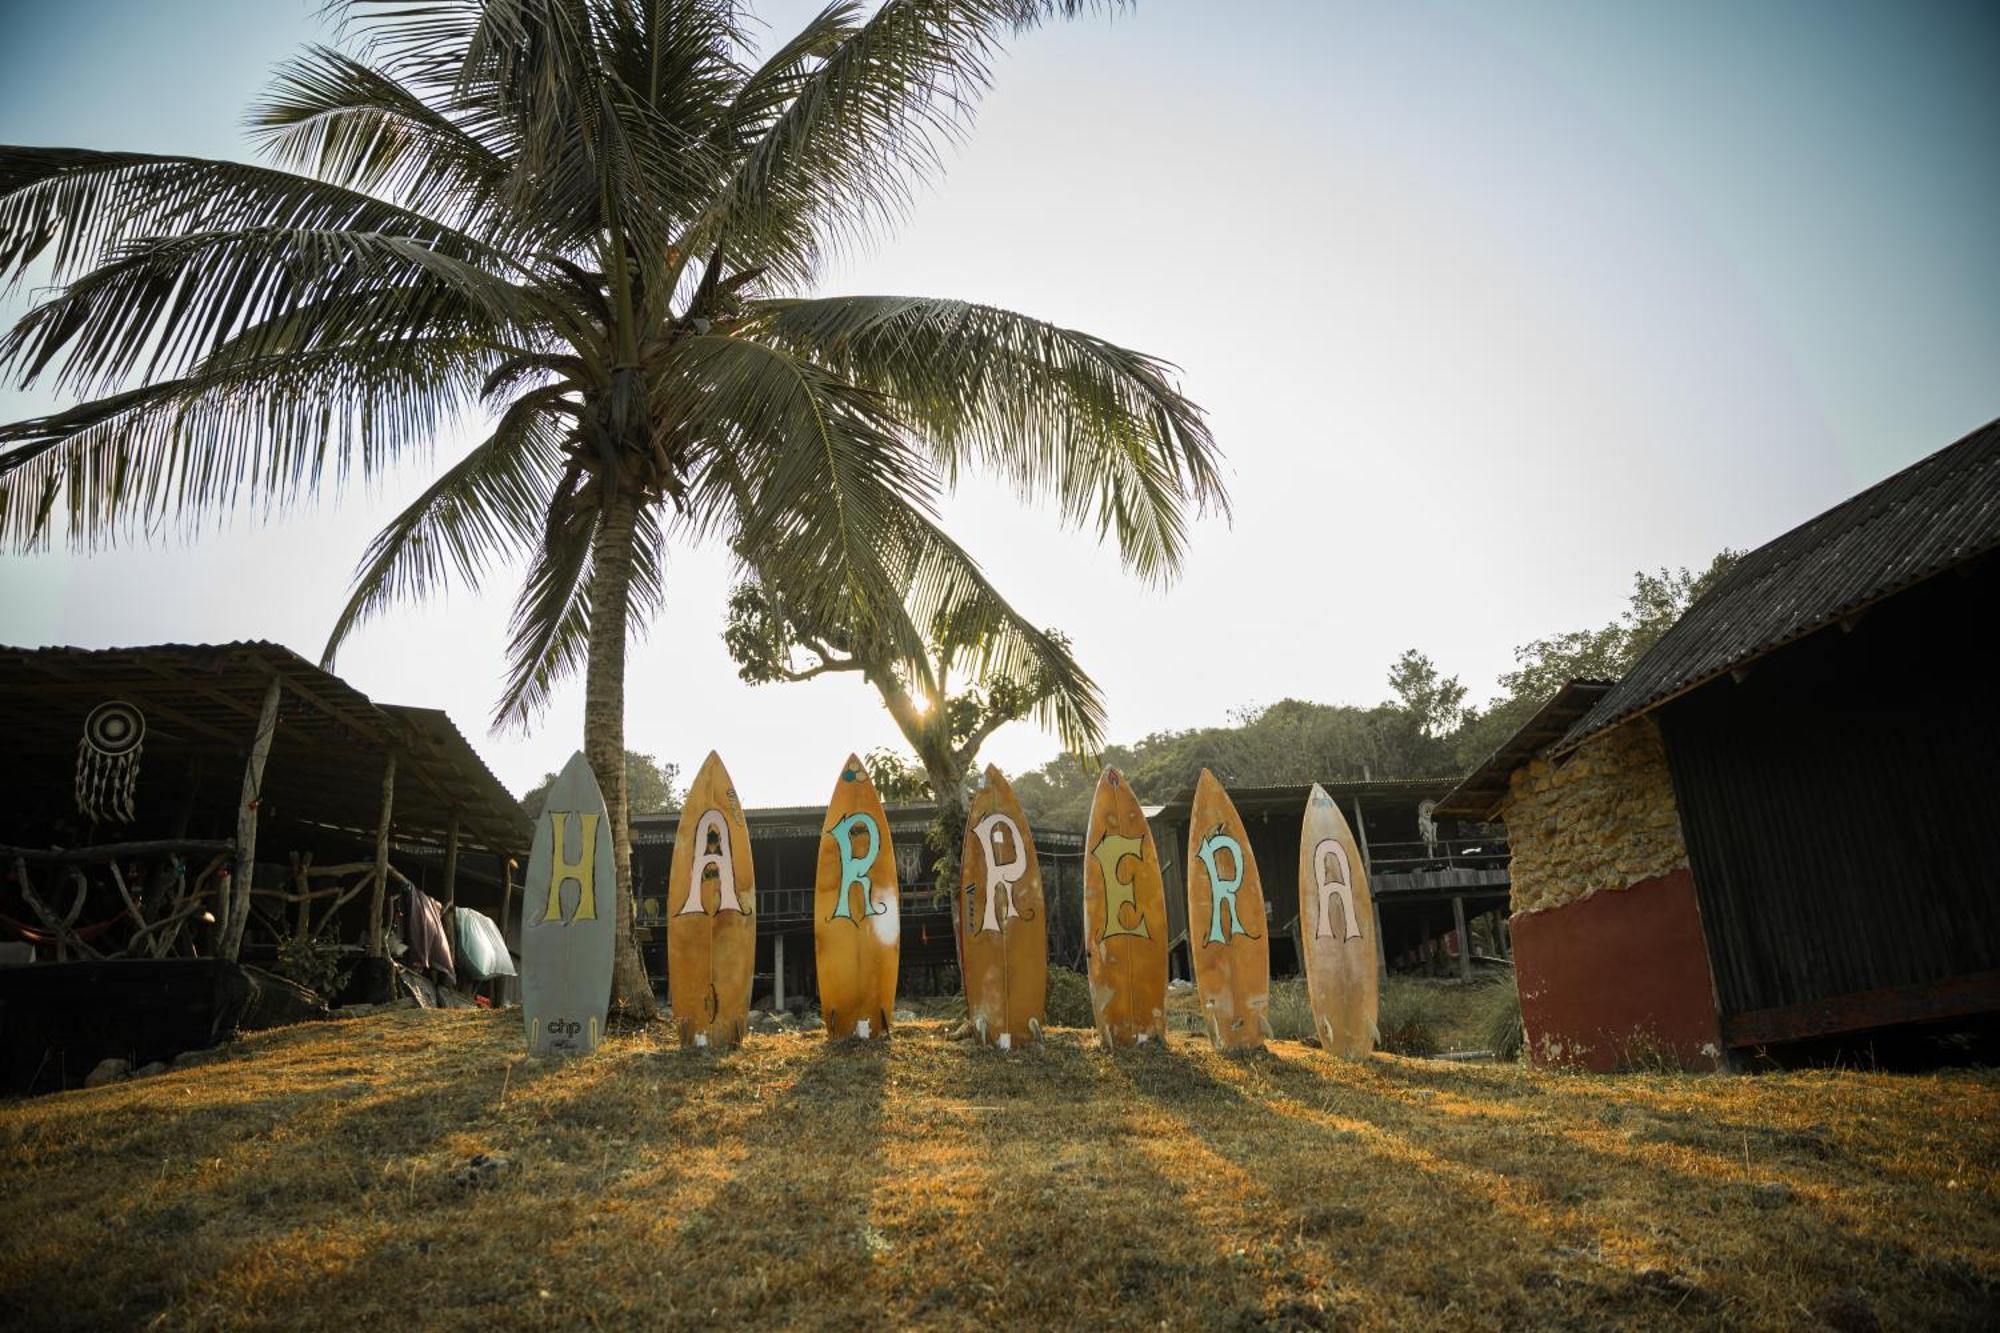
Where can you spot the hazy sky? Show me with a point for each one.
(1490, 306)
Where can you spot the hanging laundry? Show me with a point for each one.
(482, 950)
(429, 946)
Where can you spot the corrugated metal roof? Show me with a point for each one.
(1479, 795)
(1937, 513)
(205, 698)
(1292, 796)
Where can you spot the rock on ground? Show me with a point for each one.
(108, 1071)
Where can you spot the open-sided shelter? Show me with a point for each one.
(222, 801)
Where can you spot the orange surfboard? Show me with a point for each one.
(1124, 918)
(1337, 924)
(712, 914)
(1226, 930)
(1005, 934)
(857, 921)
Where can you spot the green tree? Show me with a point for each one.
(1544, 666)
(651, 787)
(983, 667)
(588, 223)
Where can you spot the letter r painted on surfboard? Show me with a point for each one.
(1222, 892)
(1000, 877)
(583, 869)
(722, 858)
(854, 869)
(1119, 893)
(1328, 886)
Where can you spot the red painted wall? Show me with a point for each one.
(1619, 978)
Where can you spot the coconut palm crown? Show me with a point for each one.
(592, 227)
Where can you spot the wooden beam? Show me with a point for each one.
(1464, 938)
(377, 944)
(451, 865)
(114, 851)
(246, 820)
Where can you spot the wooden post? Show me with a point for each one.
(778, 972)
(1361, 836)
(1381, 949)
(238, 904)
(377, 943)
(451, 866)
(1464, 938)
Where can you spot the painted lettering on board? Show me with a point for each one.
(1001, 876)
(564, 868)
(1120, 892)
(1222, 891)
(1333, 879)
(713, 852)
(854, 866)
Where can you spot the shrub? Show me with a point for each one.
(1413, 1017)
(1069, 1000)
(316, 963)
(1501, 1021)
(1291, 1012)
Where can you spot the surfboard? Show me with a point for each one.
(712, 914)
(1337, 926)
(1227, 934)
(568, 906)
(1005, 937)
(857, 923)
(1124, 918)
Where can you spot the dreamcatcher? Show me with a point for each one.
(107, 761)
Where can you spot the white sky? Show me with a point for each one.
(1490, 306)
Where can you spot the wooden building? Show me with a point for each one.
(1431, 880)
(1780, 825)
(214, 802)
(785, 841)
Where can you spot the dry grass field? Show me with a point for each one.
(313, 1178)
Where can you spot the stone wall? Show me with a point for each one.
(1603, 819)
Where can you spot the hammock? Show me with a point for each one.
(36, 935)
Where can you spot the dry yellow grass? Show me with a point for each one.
(306, 1182)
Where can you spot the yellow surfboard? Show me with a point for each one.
(1004, 937)
(1337, 924)
(1227, 933)
(712, 914)
(857, 923)
(1124, 918)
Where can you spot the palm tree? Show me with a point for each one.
(588, 220)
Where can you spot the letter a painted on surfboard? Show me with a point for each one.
(723, 859)
(1338, 884)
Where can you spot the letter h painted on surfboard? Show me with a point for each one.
(1000, 877)
(582, 869)
(1111, 851)
(854, 869)
(712, 825)
(1221, 892)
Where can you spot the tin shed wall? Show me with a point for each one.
(1841, 818)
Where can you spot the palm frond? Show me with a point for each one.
(160, 306)
(265, 432)
(85, 203)
(485, 508)
(1100, 428)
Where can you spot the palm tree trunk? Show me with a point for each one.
(604, 734)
